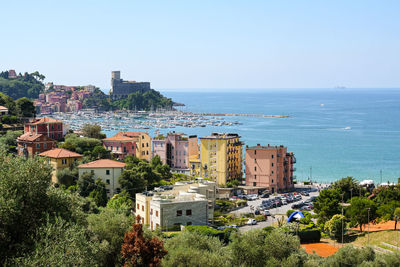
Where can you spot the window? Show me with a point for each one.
(138, 206)
(107, 172)
(272, 181)
(37, 145)
(108, 191)
(151, 211)
(59, 135)
(44, 145)
(188, 212)
(255, 160)
(142, 144)
(133, 147)
(189, 223)
(117, 148)
(255, 152)
(147, 144)
(59, 127)
(52, 127)
(255, 177)
(156, 213)
(142, 207)
(118, 190)
(108, 181)
(92, 171)
(254, 184)
(272, 156)
(272, 172)
(255, 168)
(142, 220)
(157, 225)
(107, 147)
(111, 148)
(179, 213)
(64, 161)
(142, 136)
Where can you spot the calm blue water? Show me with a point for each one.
(314, 133)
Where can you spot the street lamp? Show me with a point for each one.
(368, 224)
(342, 218)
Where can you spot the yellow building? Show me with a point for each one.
(143, 143)
(59, 159)
(221, 157)
(195, 167)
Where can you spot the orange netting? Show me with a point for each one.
(322, 249)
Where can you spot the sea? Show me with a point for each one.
(333, 133)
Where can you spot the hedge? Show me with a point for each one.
(309, 236)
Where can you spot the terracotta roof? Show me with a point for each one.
(119, 138)
(3, 108)
(103, 163)
(31, 137)
(44, 120)
(129, 133)
(58, 153)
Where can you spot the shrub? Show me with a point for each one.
(289, 212)
(309, 236)
(260, 218)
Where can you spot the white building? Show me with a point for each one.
(107, 170)
(3, 111)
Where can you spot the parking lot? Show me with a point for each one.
(275, 212)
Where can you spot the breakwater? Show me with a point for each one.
(236, 115)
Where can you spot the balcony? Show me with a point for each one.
(293, 159)
(292, 169)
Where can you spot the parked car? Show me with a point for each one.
(284, 202)
(221, 228)
(251, 222)
(233, 226)
(266, 195)
(305, 207)
(252, 197)
(266, 213)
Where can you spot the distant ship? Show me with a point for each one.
(347, 128)
(340, 87)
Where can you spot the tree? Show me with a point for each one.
(196, 249)
(163, 170)
(99, 152)
(386, 211)
(121, 202)
(92, 131)
(396, 217)
(8, 141)
(349, 186)
(61, 243)
(108, 228)
(23, 202)
(86, 184)
(132, 182)
(99, 194)
(137, 250)
(67, 176)
(25, 108)
(358, 211)
(80, 144)
(327, 204)
(335, 226)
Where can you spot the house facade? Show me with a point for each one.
(49, 127)
(108, 171)
(30, 144)
(128, 143)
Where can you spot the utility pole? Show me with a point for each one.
(342, 218)
(368, 224)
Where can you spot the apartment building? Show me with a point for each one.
(126, 143)
(269, 166)
(49, 127)
(175, 149)
(30, 144)
(221, 157)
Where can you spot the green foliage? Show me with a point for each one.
(163, 170)
(92, 131)
(30, 85)
(99, 152)
(358, 211)
(335, 226)
(67, 176)
(143, 101)
(97, 100)
(121, 202)
(224, 205)
(327, 204)
(61, 243)
(195, 249)
(25, 108)
(108, 228)
(23, 201)
(86, 184)
(8, 141)
(99, 194)
(349, 186)
(309, 236)
(351, 256)
(81, 145)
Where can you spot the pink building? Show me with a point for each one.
(269, 166)
(173, 150)
(120, 146)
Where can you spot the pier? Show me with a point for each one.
(237, 115)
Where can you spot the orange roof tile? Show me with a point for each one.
(103, 163)
(31, 137)
(58, 153)
(44, 120)
(119, 138)
(129, 133)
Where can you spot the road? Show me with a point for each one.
(275, 212)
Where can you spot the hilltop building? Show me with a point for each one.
(175, 149)
(49, 127)
(185, 204)
(270, 166)
(108, 171)
(126, 143)
(59, 159)
(221, 157)
(121, 89)
(3, 111)
(31, 144)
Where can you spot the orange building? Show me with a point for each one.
(126, 143)
(30, 144)
(269, 166)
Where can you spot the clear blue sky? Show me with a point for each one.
(206, 44)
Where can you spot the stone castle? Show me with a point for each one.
(121, 89)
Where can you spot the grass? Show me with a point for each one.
(376, 239)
